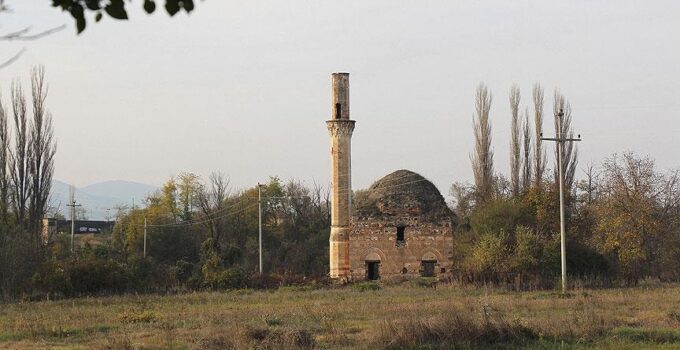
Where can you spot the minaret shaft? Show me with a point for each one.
(340, 128)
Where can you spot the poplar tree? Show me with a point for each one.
(539, 155)
(515, 144)
(526, 160)
(570, 151)
(482, 159)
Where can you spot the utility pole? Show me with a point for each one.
(560, 139)
(259, 219)
(145, 236)
(73, 206)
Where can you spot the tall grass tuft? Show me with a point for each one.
(453, 329)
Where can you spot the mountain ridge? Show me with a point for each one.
(100, 200)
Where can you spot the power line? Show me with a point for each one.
(203, 221)
(209, 217)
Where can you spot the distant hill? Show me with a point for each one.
(100, 199)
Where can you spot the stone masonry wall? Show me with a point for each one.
(377, 237)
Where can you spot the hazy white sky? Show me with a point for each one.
(243, 87)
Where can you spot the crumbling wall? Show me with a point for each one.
(377, 237)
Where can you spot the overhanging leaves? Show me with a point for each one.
(116, 9)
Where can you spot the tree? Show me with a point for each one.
(515, 152)
(637, 216)
(20, 163)
(569, 149)
(27, 163)
(188, 189)
(463, 198)
(212, 202)
(168, 199)
(42, 149)
(526, 160)
(539, 155)
(482, 159)
(115, 9)
(4, 163)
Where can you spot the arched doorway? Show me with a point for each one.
(428, 264)
(372, 266)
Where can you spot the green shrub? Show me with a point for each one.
(182, 271)
(52, 278)
(95, 276)
(501, 215)
(365, 286)
(234, 278)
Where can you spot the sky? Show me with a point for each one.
(243, 87)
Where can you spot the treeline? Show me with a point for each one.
(621, 219)
(27, 149)
(200, 236)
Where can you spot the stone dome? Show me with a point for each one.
(402, 192)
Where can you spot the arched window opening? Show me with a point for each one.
(338, 110)
(401, 239)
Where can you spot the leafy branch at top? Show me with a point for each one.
(115, 9)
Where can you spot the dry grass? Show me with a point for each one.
(401, 316)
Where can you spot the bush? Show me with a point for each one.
(234, 278)
(182, 271)
(488, 258)
(52, 278)
(365, 286)
(501, 215)
(92, 276)
(265, 281)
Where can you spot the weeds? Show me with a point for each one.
(144, 316)
(365, 286)
(363, 315)
(452, 329)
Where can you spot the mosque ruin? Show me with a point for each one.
(400, 225)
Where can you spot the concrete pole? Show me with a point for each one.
(560, 139)
(563, 243)
(259, 220)
(73, 222)
(73, 206)
(145, 237)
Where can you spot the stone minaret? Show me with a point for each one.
(340, 128)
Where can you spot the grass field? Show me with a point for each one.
(358, 316)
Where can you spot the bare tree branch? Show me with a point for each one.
(12, 59)
(22, 35)
(25, 35)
